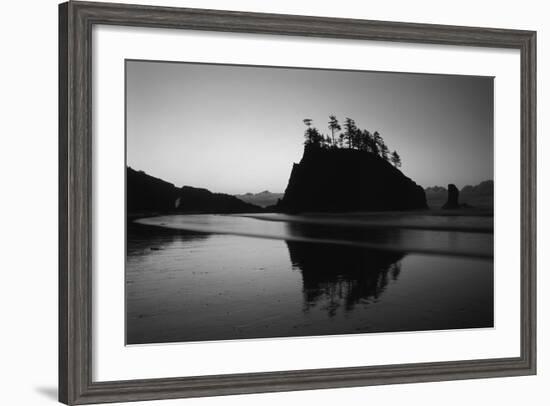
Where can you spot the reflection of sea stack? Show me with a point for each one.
(452, 197)
(336, 275)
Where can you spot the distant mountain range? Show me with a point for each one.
(263, 199)
(480, 195)
(146, 194)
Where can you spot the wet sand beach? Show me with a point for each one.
(214, 277)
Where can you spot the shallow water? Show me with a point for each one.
(229, 277)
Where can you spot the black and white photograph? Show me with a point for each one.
(266, 202)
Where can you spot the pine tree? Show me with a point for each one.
(312, 135)
(333, 126)
(396, 159)
(350, 132)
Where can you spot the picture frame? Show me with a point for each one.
(76, 384)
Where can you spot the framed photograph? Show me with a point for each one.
(259, 202)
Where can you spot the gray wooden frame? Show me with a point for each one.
(76, 20)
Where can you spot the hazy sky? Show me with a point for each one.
(237, 129)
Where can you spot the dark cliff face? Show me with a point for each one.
(334, 180)
(147, 194)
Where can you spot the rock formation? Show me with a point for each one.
(479, 196)
(147, 194)
(452, 198)
(336, 180)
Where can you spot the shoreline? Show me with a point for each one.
(471, 212)
(425, 220)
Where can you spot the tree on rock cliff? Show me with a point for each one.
(352, 137)
(367, 141)
(384, 151)
(333, 126)
(376, 142)
(350, 133)
(396, 159)
(312, 135)
(343, 164)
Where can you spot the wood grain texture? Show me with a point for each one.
(63, 245)
(75, 199)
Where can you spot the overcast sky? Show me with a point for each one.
(236, 129)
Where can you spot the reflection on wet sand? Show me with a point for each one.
(141, 239)
(455, 236)
(342, 275)
(193, 286)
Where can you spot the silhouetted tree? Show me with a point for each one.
(377, 142)
(315, 136)
(350, 133)
(352, 137)
(363, 140)
(384, 151)
(396, 159)
(333, 126)
(312, 135)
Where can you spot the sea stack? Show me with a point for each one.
(341, 179)
(452, 198)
